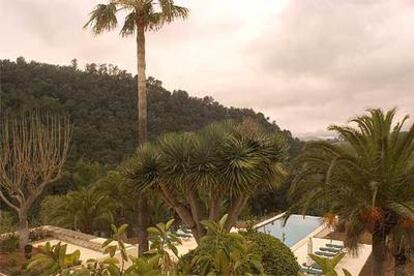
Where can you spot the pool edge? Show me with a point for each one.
(260, 224)
(300, 242)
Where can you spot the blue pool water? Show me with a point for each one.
(296, 228)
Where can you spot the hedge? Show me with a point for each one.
(277, 258)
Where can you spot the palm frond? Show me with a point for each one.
(171, 12)
(404, 209)
(103, 18)
(168, 14)
(143, 169)
(129, 24)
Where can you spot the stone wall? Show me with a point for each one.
(64, 235)
(73, 237)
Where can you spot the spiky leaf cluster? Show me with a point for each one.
(228, 157)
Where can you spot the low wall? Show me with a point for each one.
(73, 237)
(65, 235)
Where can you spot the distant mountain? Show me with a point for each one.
(101, 101)
(319, 138)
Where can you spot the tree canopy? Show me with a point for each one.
(211, 172)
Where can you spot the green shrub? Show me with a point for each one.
(221, 253)
(277, 258)
(9, 244)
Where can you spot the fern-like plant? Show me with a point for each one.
(53, 259)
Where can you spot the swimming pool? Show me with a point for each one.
(296, 228)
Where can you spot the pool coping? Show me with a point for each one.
(300, 242)
(260, 224)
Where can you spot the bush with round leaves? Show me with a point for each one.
(277, 258)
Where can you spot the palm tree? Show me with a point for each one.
(86, 210)
(142, 16)
(367, 179)
(207, 174)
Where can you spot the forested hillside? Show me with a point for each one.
(101, 102)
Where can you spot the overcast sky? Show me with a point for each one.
(306, 63)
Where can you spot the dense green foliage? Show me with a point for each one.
(49, 206)
(86, 209)
(101, 102)
(91, 208)
(277, 258)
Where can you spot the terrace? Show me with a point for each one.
(298, 233)
(308, 234)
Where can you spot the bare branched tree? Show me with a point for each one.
(33, 149)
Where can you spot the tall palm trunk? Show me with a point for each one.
(142, 87)
(142, 220)
(378, 253)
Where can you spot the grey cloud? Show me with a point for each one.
(321, 37)
(47, 20)
(362, 49)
